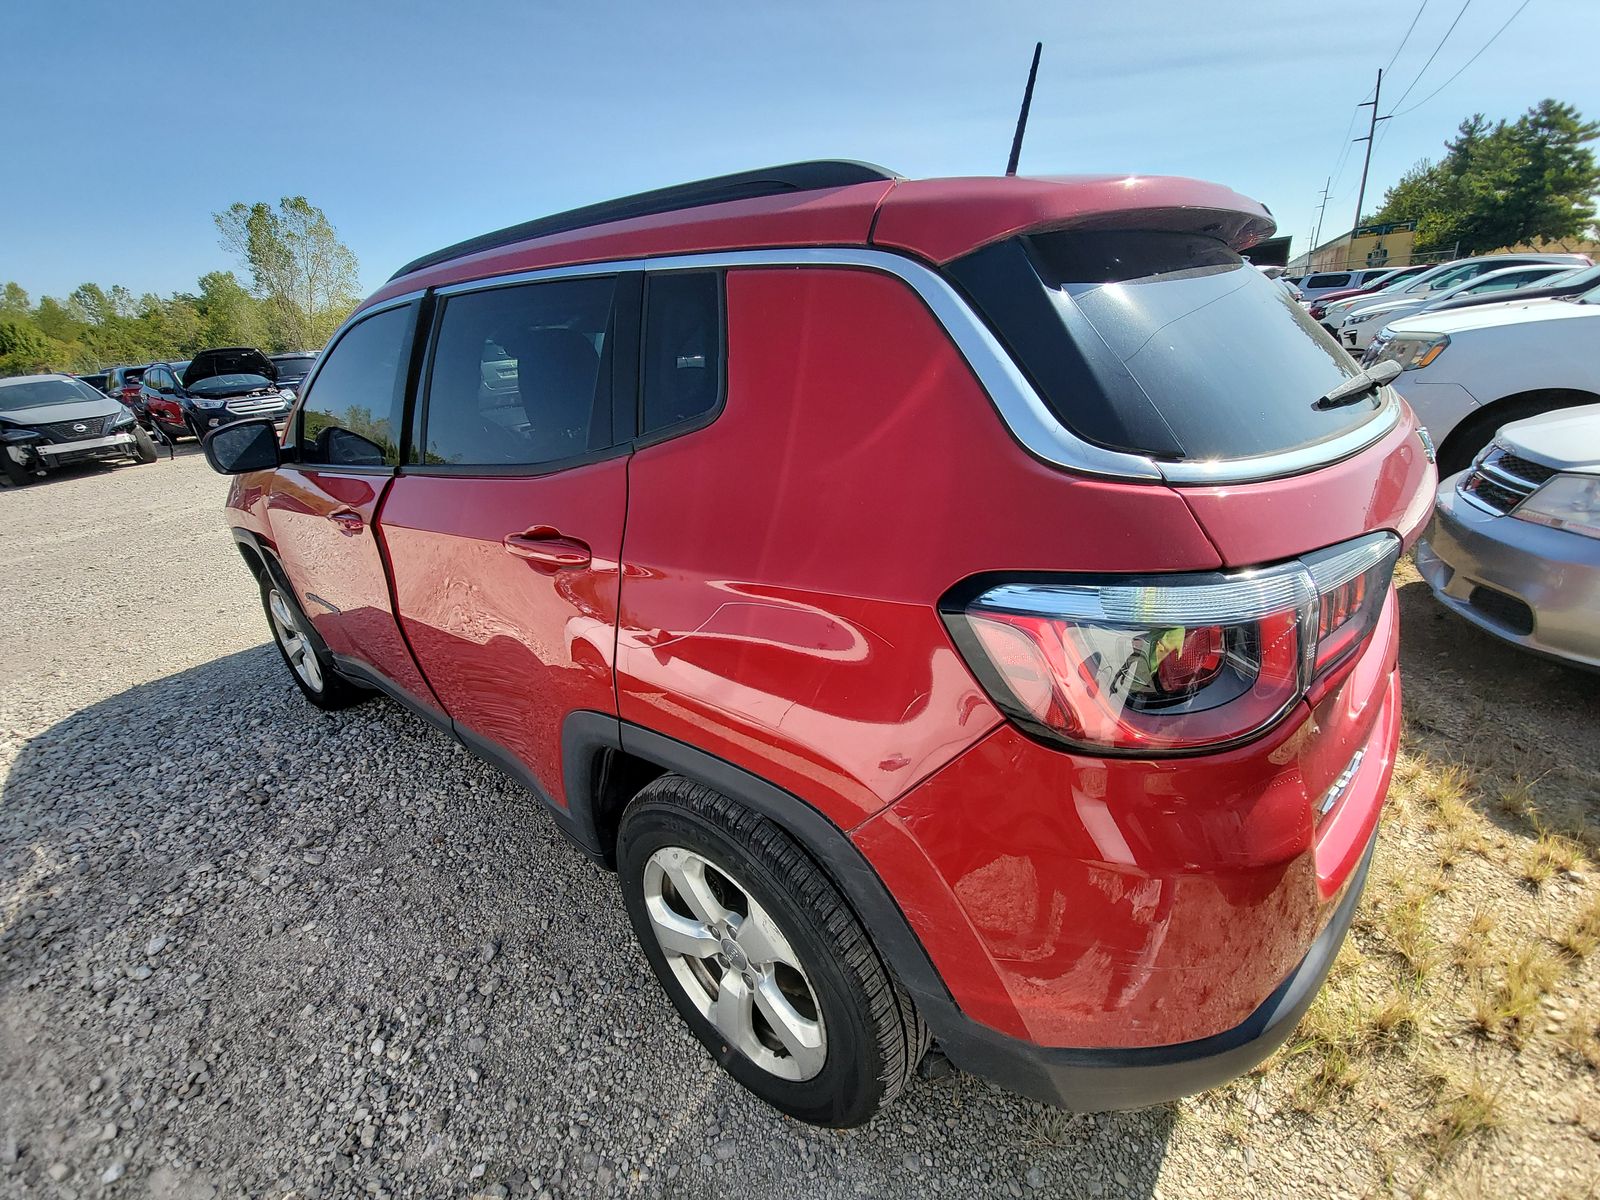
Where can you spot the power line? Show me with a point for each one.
(1407, 38)
(1464, 65)
(1466, 5)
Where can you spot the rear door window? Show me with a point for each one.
(1165, 344)
(682, 365)
(520, 375)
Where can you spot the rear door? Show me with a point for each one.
(504, 532)
(341, 456)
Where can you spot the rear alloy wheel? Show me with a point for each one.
(315, 677)
(762, 957)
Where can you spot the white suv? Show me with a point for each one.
(1470, 371)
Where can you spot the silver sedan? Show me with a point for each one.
(1515, 541)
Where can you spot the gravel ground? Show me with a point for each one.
(251, 949)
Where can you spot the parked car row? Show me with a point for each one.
(191, 397)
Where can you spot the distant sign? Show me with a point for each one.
(1386, 227)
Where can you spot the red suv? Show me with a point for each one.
(958, 609)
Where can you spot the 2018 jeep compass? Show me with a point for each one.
(958, 609)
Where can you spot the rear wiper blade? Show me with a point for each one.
(1369, 380)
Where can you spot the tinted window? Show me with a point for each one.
(155, 380)
(351, 414)
(682, 366)
(518, 375)
(1328, 281)
(1162, 343)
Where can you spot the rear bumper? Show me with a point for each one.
(1136, 1077)
(1534, 587)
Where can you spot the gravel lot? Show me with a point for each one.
(252, 949)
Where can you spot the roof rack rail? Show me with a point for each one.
(744, 185)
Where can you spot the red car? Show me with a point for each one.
(958, 609)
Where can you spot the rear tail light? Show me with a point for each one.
(1170, 664)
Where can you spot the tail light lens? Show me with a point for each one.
(1170, 664)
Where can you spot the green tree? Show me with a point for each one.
(1503, 184)
(306, 277)
(23, 349)
(229, 315)
(14, 301)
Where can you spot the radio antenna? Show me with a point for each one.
(1022, 117)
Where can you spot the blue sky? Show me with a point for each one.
(416, 124)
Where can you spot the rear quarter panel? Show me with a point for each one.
(782, 566)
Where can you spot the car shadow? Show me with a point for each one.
(1523, 723)
(332, 950)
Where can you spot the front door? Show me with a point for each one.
(325, 498)
(504, 534)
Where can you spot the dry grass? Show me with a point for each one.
(1464, 1106)
(1582, 936)
(1579, 1036)
(1548, 856)
(1508, 1003)
(1409, 931)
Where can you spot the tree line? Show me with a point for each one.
(302, 283)
(1502, 184)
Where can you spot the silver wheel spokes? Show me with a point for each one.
(735, 964)
(296, 646)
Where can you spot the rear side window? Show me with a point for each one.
(519, 375)
(1165, 344)
(1328, 281)
(682, 366)
(351, 415)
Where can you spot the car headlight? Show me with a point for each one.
(1570, 502)
(1360, 318)
(287, 394)
(122, 420)
(199, 403)
(1414, 353)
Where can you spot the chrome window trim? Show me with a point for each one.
(1020, 406)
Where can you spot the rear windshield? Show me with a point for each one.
(1166, 344)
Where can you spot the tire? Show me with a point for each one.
(309, 666)
(144, 449)
(1474, 433)
(853, 1037)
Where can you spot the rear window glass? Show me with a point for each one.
(1166, 344)
(1328, 281)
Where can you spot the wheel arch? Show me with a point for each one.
(1509, 408)
(606, 763)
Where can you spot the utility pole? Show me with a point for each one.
(1316, 238)
(1022, 117)
(1372, 126)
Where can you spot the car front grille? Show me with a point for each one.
(251, 406)
(1501, 480)
(74, 431)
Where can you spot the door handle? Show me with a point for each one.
(347, 520)
(547, 547)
